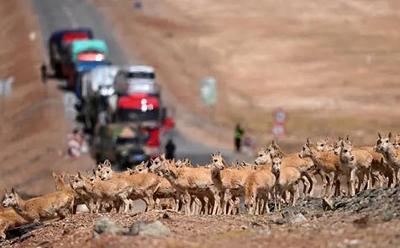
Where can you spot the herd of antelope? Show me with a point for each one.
(217, 188)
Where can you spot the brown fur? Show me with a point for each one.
(40, 208)
(9, 219)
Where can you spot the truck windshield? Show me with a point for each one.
(136, 115)
(144, 75)
(127, 141)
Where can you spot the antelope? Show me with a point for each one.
(396, 141)
(360, 159)
(188, 181)
(59, 180)
(304, 165)
(141, 185)
(390, 153)
(327, 163)
(40, 208)
(350, 167)
(230, 182)
(9, 219)
(258, 189)
(379, 167)
(80, 185)
(101, 191)
(164, 190)
(287, 179)
(324, 145)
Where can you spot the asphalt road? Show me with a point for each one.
(58, 14)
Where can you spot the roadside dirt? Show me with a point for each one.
(370, 219)
(331, 66)
(33, 129)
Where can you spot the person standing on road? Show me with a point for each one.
(43, 73)
(75, 142)
(238, 137)
(170, 148)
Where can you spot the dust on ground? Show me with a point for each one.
(370, 219)
(33, 130)
(333, 66)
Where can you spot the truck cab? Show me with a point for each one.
(122, 143)
(97, 86)
(145, 110)
(137, 79)
(58, 46)
(84, 56)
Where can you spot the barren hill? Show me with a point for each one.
(33, 128)
(332, 65)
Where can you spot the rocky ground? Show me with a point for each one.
(370, 219)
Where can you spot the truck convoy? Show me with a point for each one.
(120, 107)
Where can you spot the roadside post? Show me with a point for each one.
(279, 124)
(208, 92)
(5, 91)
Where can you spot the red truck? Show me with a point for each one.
(146, 110)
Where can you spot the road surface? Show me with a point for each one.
(58, 14)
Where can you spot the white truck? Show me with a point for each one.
(97, 87)
(136, 79)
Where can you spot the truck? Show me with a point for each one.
(122, 143)
(84, 55)
(58, 46)
(137, 79)
(145, 110)
(97, 86)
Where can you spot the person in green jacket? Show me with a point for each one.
(238, 137)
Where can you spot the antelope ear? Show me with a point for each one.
(13, 190)
(107, 163)
(379, 135)
(390, 135)
(341, 143)
(54, 174)
(273, 142)
(147, 164)
(80, 175)
(308, 141)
